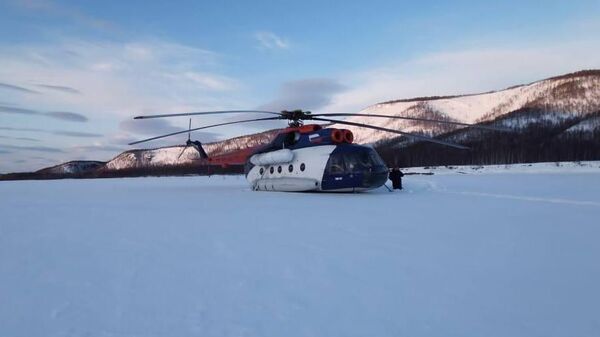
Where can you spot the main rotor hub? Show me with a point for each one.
(296, 118)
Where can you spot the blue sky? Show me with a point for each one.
(74, 72)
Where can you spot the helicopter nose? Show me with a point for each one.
(375, 179)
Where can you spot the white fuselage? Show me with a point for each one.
(303, 173)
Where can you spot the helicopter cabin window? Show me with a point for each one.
(291, 139)
(291, 168)
(272, 169)
(302, 167)
(279, 169)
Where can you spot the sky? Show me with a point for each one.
(73, 73)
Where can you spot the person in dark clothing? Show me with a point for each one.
(396, 178)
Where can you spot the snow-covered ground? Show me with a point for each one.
(496, 254)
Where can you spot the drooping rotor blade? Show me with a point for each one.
(206, 127)
(189, 140)
(208, 113)
(409, 135)
(475, 126)
(182, 151)
(190, 131)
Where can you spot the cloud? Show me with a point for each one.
(269, 40)
(463, 72)
(212, 82)
(20, 138)
(157, 127)
(67, 116)
(17, 88)
(148, 126)
(305, 94)
(99, 147)
(19, 129)
(62, 115)
(77, 134)
(20, 111)
(32, 148)
(60, 88)
(119, 78)
(62, 11)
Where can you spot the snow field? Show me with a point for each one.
(452, 255)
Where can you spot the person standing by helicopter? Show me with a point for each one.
(396, 178)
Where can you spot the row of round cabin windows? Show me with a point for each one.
(279, 169)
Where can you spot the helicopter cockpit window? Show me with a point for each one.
(335, 165)
(353, 162)
(376, 159)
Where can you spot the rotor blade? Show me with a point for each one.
(475, 126)
(190, 132)
(206, 127)
(208, 113)
(182, 151)
(409, 135)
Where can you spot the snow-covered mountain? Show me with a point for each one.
(180, 155)
(559, 98)
(561, 112)
(556, 99)
(164, 156)
(73, 167)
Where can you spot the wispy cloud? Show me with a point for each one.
(462, 72)
(77, 134)
(32, 148)
(20, 111)
(67, 116)
(99, 147)
(52, 8)
(17, 88)
(157, 127)
(62, 115)
(311, 93)
(270, 40)
(20, 138)
(119, 79)
(60, 88)
(148, 126)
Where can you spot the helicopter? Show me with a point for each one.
(310, 157)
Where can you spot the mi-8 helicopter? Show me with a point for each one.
(310, 157)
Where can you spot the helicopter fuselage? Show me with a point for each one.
(315, 161)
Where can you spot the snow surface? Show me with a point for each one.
(491, 254)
